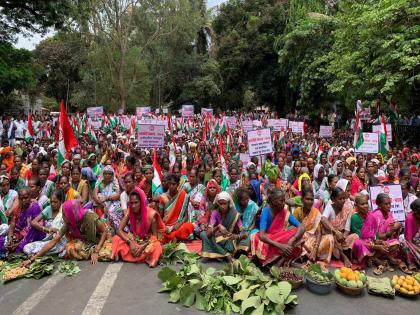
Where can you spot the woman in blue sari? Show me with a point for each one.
(247, 208)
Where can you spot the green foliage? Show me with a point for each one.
(240, 288)
(69, 268)
(177, 253)
(376, 50)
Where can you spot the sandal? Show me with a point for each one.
(379, 270)
(405, 269)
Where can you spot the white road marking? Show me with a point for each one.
(33, 300)
(98, 298)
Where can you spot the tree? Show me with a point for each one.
(376, 52)
(31, 16)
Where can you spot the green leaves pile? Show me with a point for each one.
(39, 268)
(240, 288)
(69, 268)
(177, 253)
(315, 273)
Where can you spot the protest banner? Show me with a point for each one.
(370, 143)
(187, 110)
(365, 114)
(284, 124)
(257, 123)
(125, 121)
(231, 122)
(207, 111)
(151, 135)
(275, 124)
(325, 131)
(296, 126)
(247, 125)
(95, 112)
(377, 129)
(259, 142)
(144, 110)
(397, 200)
(96, 123)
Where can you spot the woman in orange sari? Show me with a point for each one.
(173, 208)
(274, 240)
(317, 247)
(142, 243)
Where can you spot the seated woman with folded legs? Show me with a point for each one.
(410, 241)
(225, 234)
(275, 241)
(142, 243)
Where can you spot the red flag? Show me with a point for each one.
(70, 140)
(30, 126)
(156, 164)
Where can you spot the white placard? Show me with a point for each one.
(231, 122)
(125, 121)
(144, 110)
(275, 124)
(207, 111)
(245, 158)
(284, 124)
(96, 124)
(365, 114)
(370, 143)
(259, 142)
(296, 126)
(257, 123)
(397, 203)
(151, 136)
(377, 129)
(325, 131)
(95, 112)
(247, 125)
(187, 110)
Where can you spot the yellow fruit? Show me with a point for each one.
(411, 292)
(405, 286)
(394, 277)
(409, 281)
(404, 290)
(400, 281)
(397, 287)
(410, 287)
(394, 282)
(402, 277)
(416, 289)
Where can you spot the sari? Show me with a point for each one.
(194, 214)
(218, 246)
(410, 241)
(72, 194)
(141, 234)
(248, 215)
(207, 206)
(24, 233)
(6, 204)
(312, 228)
(374, 224)
(82, 234)
(49, 222)
(174, 210)
(277, 231)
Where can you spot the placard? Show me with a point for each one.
(284, 124)
(187, 110)
(95, 112)
(257, 123)
(125, 121)
(259, 142)
(231, 122)
(245, 158)
(370, 143)
(207, 111)
(247, 125)
(296, 126)
(325, 131)
(275, 124)
(365, 114)
(377, 129)
(151, 136)
(144, 110)
(395, 193)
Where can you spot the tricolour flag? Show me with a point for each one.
(383, 143)
(66, 138)
(30, 131)
(358, 133)
(157, 174)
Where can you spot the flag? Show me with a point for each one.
(282, 140)
(358, 133)
(66, 138)
(320, 151)
(383, 143)
(90, 132)
(157, 173)
(30, 131)
(222, 128)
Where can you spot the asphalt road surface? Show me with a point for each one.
(126, 289)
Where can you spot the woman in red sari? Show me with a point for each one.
(274, 240)
(142, 243)
(358, 182)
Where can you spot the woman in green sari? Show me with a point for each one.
(225, 235)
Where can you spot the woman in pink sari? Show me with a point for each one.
(410, 241)
(379, 237)
(274, 240)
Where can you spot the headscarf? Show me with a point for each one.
(74, 213)
(335, 167)
(147, 167)
(212, 183)
(350, 160)
(224, 196)
(141, 230)
(316, 171)
(3, 178)
(88, 173)
(108, 169)
(342, 183)
(301, 177)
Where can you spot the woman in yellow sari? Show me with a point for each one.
(70, 192)
(79, 184)
(317, 247)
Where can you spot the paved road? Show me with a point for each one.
(122, 289)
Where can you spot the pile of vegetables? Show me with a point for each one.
(241, 288)
(69, 268)
(177, 253)
(316, 274)
(12, 269)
